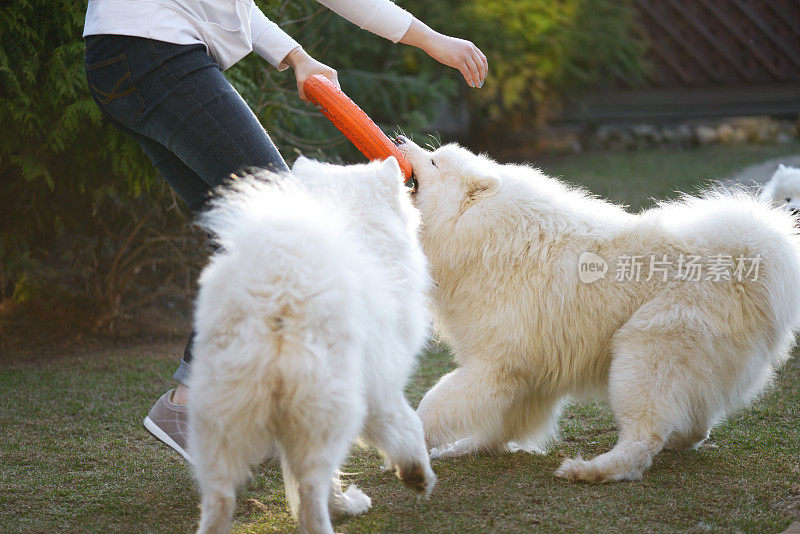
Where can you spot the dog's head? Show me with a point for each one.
(375, 184)
(454, 186)
(783, 189)
(373, 192)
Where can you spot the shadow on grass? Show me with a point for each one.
(74, 457)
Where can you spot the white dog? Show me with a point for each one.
(783, 189)
(527, 295)
(308, 322)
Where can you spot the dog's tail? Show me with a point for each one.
(761, 241)
(278, 270)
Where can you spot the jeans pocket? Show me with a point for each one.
(111, 84)
(88, 41)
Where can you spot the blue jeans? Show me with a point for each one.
(189, 120)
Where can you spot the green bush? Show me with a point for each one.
(84, 212)
(541, 52)
(65, 173)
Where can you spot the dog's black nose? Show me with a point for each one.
(399, 140)
(412, 184)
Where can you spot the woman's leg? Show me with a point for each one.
(196, 114)
(188, 184)
(189, 120)
(176, 96)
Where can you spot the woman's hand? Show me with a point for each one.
(305, 66)
(451, 51)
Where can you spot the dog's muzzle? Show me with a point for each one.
(412, 182)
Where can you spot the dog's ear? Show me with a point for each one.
(389, 175)
(481, 183)
(302, 163)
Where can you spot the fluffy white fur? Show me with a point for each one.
(308, 321)
(783, 189)
(673, 358)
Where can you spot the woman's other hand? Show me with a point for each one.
(451, 51)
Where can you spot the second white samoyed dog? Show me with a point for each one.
(678, 315)
(783, 189)
(308, 321)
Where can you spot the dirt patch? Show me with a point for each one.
(43, 331)
(167, 350)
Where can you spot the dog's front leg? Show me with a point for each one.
(395, 429)
(471, 402)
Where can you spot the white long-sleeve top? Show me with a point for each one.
(230, 29)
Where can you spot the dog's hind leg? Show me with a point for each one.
(629, 458)
(643, 428)
(222, 462)
(218, 500)
(309, 467)
(307, 493)
(660, 385)
(351, 501)
(471, 402)
(396, 430)
(314, 434)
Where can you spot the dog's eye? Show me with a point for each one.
(434, 164)
(788, 199)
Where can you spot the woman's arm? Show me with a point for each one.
(451, 51)
(381, 17)
(390, 21)
(269, 40)
(277, 47)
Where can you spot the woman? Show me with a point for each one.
(155, 69)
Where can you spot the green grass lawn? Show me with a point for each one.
(74, 456)
(635, 178)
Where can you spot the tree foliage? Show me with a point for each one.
(78, 195)
(541, 52)
(85, 213)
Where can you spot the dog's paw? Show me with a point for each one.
(353, 501)
(438, 452)
(576, 469)
(450, 451)
(388, 466)
(418, 477)
(522, 446)
(589, 471)
(462, 447)
(466, 447)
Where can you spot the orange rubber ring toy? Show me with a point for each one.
(352, 121)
